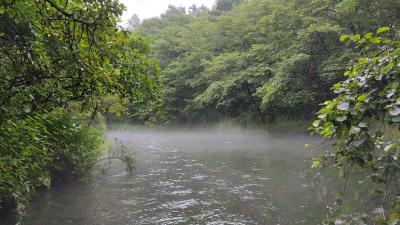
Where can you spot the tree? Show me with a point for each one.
(361, 119)
(173, 10)
(294, 44)
(133, 22)
(54, 52)
(225, 5)
(60, 62)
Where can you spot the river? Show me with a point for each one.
(192, 177)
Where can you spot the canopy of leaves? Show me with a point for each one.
(257, 60)
(57, 51)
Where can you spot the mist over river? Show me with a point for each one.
(212, 176)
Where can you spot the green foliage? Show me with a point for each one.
(62, 62)
(225, 5)
(367, 102)
(57, 51)
(41, 148)
(257, 60)
(23, 160)
(129, 160)
(74, 147)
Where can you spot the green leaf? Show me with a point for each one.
(395, 119)
(382, 29)
(343, 106)
(355, 130)
(327, 131)
(361, 98)
(394, 216)
(341, 118)
(376, 40)
(390, 147)
(363, 60)
(368, 36)
(394, 111)
(343, 37)
(355, 37)
(316, 163)
(363, 124)
(387, 68)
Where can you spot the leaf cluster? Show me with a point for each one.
(367, 104)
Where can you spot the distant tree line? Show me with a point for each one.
(257, 61)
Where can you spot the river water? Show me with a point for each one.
(192, 177)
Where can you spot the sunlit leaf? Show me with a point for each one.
(368, 36)
(361, 98)
(376, 40)
(343, 37)
(316, 163)
(382, 29)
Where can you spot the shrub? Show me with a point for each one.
(39, 149)
(74, 147)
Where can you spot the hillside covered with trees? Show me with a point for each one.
(257, 61)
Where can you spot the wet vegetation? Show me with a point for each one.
(67, 70)
(62, 64)
(258, 61)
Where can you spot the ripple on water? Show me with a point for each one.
(130, 202)
(173, 220)
(199, 177)
(182, 192)
(184, 204)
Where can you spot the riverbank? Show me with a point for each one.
(41, 150)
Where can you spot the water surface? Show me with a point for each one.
(191, 177)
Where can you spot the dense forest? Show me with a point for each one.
(68, 69)
(257, 61)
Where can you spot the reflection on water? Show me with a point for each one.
(191, 177)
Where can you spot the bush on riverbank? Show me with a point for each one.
(40, 149)
(65, 57)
